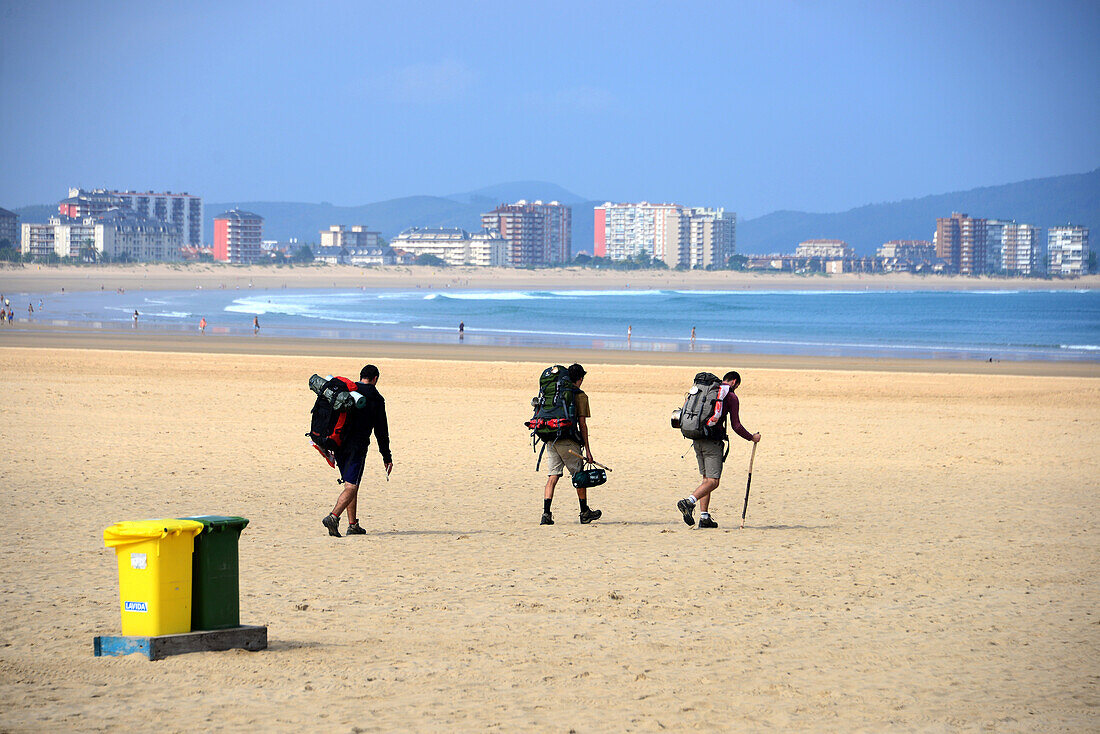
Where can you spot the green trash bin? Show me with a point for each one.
(215, 584)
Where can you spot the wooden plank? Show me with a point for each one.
(246, 637)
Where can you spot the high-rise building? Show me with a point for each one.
(9, 228)
(536, 233)
(693, 237)
(623, 231)
(117, 234)
(960, 240)
(454, 246)
(183, 210)
(237, 236)
(1012, 248)
(356, 236)
(712, 238)
(1068, 250)
(835, 249)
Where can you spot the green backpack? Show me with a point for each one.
(555, 407)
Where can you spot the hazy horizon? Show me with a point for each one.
(756, 107)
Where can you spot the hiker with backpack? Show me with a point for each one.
(344, 416)
(703, 419)
(560, 422)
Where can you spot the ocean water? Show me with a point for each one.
(1008, 325)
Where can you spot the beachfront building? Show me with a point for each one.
(913, 250)
(455, 246)
(960, 240)
(9, 228)
(355, 236)
(237, 236)
(1012, 248)
(627, 230)
(75, 237)
(824, 249)
(122, 234)
(677, 235)
(37, 240)
(1068, 250)
(536, 233)
(183, 210)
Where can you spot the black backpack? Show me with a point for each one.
(330, 411)
(555, 407)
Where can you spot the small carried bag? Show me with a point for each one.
(591, 477)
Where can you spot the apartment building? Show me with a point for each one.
(831, 249)
(536, 233)
(913, 250)
(238, 236)
(183, 210)
(37, 240)
(692, 237)
(9, 228)
(961, 241)
(124, 234)
(1068, 250)
(356, 236)
(1012, 248)
(455, 246)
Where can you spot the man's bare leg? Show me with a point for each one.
(702, 494)
(347, 500)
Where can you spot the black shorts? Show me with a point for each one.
(351, 466)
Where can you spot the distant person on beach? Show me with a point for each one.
(3, 316)
(693, 337)
(565, 453)
(461, 330)
(30, 310)
(352, 455)
(255, 325)
(135, 317)
(202, 325)
(629, 329)
(11, 315)
(708, 453)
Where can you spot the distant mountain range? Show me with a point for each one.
(1045, 202)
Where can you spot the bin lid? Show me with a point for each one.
(218, 523)
(135, 531)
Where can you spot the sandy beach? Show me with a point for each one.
(52, 278)
(921, 551)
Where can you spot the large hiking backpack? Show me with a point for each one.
(335, 397)
(702, 405)
(555, 407)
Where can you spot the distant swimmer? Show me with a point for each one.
(714, 398)
(202, 325)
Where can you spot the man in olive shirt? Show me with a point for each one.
(558, 453)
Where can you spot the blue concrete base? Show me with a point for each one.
(245, 637)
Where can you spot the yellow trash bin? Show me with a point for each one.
(154, 574)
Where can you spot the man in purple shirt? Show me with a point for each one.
(708, 451)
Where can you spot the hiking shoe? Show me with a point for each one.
(547, 518)
(704, 522)
(333, 525)
(688, 509)
(588, 516)
(355, 529)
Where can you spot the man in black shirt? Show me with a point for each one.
(352, 456)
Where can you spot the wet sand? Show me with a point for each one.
(921, 549)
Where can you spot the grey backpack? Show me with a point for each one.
(699, 405)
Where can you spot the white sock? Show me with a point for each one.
(691, 499)
(704, 515)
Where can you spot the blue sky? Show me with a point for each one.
(756, 106)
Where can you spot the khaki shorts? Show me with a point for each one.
(557, 453)
(709, 454)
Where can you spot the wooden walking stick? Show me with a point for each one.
(748, 484)
(602, 466)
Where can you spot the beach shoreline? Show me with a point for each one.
(32, 278)
(44, 336)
